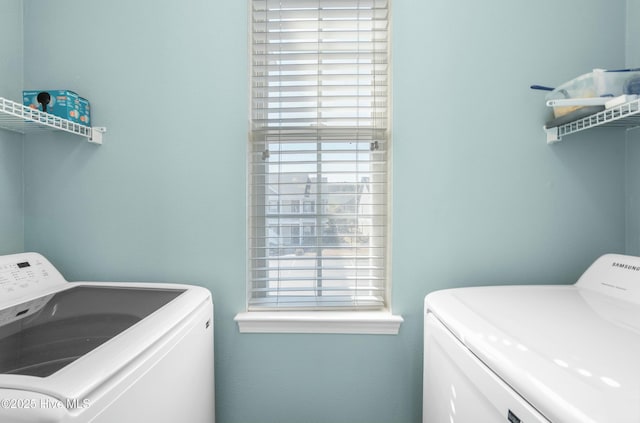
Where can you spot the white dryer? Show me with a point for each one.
(102, 352)
(561, 354)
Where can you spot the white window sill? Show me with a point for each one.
(339, 322)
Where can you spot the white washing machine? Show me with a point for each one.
(102, 352)
(561, 354)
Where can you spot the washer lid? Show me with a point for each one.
(48, 333)
(573, 353)
(76, 347)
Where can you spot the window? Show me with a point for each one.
(318, 206)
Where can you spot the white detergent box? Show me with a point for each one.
(61, 103)
(84, 112)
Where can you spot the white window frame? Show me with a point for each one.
(321, 320)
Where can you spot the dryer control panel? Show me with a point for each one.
(614, 275)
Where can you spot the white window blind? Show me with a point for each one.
(318, 156)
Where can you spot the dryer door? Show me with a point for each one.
(460, 388)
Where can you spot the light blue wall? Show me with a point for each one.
(11, 145)
(478, 198)
(633, 139)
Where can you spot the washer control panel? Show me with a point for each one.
(25, 274)
(26, 284)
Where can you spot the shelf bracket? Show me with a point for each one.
(96, 134)
(552, 135)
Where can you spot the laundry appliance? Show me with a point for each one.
(560, 354)
(102, 352)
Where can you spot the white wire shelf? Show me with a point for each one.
(25, 120)
(625, 115)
